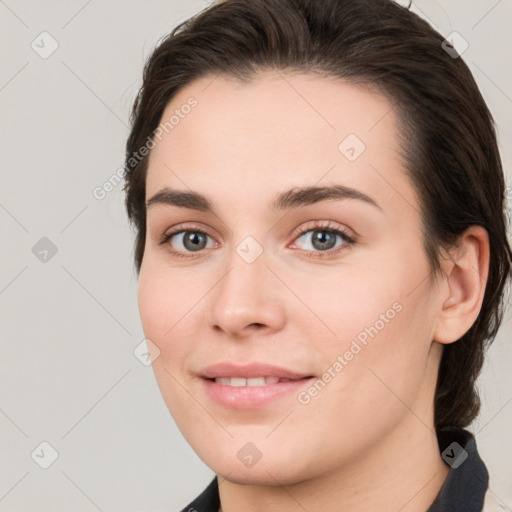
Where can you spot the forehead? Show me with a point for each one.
(259, 137)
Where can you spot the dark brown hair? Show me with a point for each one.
(448, 135)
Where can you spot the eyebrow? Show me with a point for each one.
(293, 198)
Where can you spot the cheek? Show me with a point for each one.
(380, 334)
(344, 303)
(165, 311)
(155, 303)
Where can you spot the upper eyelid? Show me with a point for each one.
(318, 224)
(184, 228)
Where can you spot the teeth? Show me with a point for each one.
(256, 381)
(252, 381)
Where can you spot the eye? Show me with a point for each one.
(320, 240)
(183, 241)
(323, 238)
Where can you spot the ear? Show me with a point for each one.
(465, 278)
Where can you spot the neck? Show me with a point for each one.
(403, 472)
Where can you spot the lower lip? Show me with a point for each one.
(251, 397)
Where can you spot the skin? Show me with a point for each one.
(367, 440)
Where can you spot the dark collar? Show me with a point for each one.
(207, 501)
(467, 482)
(462, 491)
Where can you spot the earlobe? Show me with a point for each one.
(466, 277)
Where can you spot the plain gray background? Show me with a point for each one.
(70, 322)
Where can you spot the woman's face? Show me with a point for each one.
(328, 287)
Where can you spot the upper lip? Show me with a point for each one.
(226, 369)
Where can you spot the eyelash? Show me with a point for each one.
(317, 226)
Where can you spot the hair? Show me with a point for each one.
(448, 136)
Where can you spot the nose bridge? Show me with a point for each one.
(244, 295)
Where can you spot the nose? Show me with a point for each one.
(247, 299)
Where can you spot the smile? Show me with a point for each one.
(253, 381)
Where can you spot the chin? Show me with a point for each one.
(274, 469)
(257, 477)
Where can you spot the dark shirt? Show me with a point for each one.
(463, 490)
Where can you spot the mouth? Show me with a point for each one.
(237, 382)
(251, 386)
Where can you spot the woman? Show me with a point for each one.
(322, 252)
